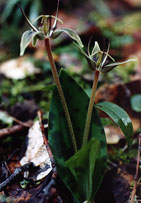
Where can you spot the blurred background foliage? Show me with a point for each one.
(117, 22)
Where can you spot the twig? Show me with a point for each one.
(40, 115)
(137, 171)
(14, 129)
(44, 184)
(25, 124)
(5, 163)
(16, 173)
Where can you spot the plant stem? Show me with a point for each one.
(90, 108)
(60, 91)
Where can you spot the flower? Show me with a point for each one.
(45, 31)
(100, 60)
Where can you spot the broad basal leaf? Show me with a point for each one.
(119, 116)
(82, 165)
(59, 137)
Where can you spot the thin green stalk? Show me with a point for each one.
(60, 91)
(90, 108)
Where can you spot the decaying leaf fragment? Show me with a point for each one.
(18, 68)
(36, 151)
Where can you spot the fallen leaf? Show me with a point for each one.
(113, 134)
(18, 68)
(116, 184)
(36, 151)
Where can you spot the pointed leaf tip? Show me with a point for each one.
(119, 116)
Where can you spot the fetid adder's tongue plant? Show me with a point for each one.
(45, 32)
(76, 134)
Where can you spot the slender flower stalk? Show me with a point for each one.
(45, 32)
(90, 108)
(100, 62)
(60, 91)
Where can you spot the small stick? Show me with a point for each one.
(14, 129)
(137, 171)
(27, 124)
(5, 163)
(40, 115)
(13, 176)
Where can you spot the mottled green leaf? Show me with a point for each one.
(82, 165)
(120, 117)
(59, 137)
(136, 102)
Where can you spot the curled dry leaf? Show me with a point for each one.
(36, 151)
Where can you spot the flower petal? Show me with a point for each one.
(71, 33)
(110, 66)
(27, 20)
(25, 41)
(96, 49)
(37, 36)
